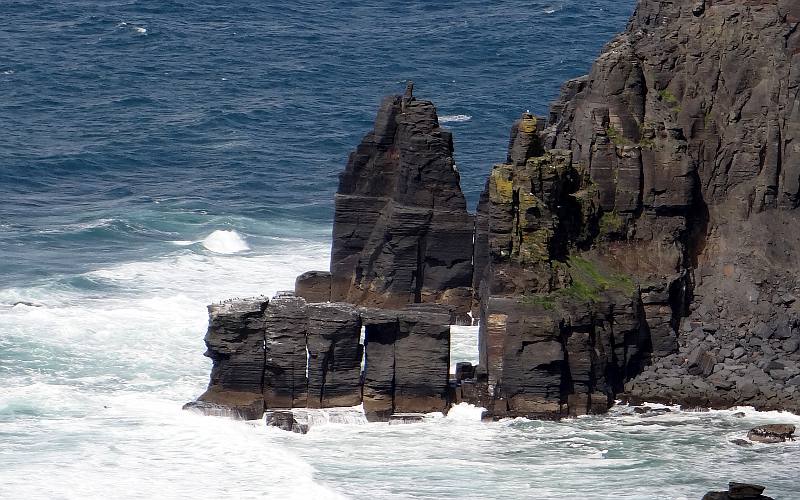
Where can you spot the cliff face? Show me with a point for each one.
(661, 193)
(639, 242)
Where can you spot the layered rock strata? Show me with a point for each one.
(401, 230)
(637, 243)
(286, 353)
(661, 188)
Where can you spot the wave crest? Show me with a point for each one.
(225, 242)
(454, 118)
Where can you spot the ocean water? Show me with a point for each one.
(157, 156)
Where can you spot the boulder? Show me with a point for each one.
(314, 286)
(772, 433)
(286, 420)
(738, 491)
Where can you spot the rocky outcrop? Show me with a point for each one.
(772, 433)
(401, 230)
(738, 491)
(636, 243)
(285, 353)
(687, 124)
(235, 343)
(661, 187)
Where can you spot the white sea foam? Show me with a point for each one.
(98, 380)
(94, 392)
(463, 345)
(465, 412)
(225, 242)
(454, 118)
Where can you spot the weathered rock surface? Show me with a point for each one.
(667, 176)
(334, 355)
(286, 353)
(637, 243)
(235, 344)
(285, 363)
(314, 286)
(401, 231)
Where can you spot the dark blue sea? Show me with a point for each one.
(159, 155)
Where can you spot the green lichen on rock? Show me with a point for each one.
(501, 184)
(616, 137)
(528, 124)
(535, 246)
(589, 280)
(670, 99)
(547, 301)
(555, 162)
(611, 223)
(647, 136)
(588, 283)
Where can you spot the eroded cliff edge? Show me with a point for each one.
(638, 242)
(653, 216)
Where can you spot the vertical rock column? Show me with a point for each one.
(381, 330)
(334, 355)
(422, 362)
(285, 326)
(235, 344)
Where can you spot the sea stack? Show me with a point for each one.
(401, 230)
(636, 243)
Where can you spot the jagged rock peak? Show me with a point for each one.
(402, 233)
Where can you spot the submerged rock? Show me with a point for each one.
(285, 420)
(738, 491)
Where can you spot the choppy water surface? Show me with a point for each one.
(157, 156)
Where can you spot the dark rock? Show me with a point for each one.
(700, 362)
(285, 420)
(235, 344)
(284, 363)
(407, 362)
(772, 433)
(406, 418)
(334, 355)
(381, 329)
(744, 491)
(741, 442)
(230, 404)
(401, 230)
(738, 491)
(464, 370)
(422, 362)
(314, 286)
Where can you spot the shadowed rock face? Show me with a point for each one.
(401, 230)
(235, 344)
